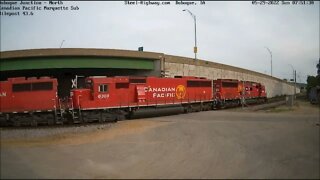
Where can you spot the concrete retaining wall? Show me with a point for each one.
(181, 66)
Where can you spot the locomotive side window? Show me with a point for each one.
(103, 88)
(32, 86)
(122, 85)
(229, 84)
(89, 85)
(42, 86)
(21, 87)
(137, 80)
(198, 83)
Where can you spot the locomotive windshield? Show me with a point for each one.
(89, 84)
(103, 88)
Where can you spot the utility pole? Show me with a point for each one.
(271, 57)
(295, 83)
(195, 49)
(61, 43)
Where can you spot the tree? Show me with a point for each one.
(318, 66)
(313, 81)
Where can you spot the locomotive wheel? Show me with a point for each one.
(187, 109)
(129, 115)
(16, 123)
(3, 120)
(196, 108)
(120, 117)
(50, 122)
(101, 120)
(33, 123)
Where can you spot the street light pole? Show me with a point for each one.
(271, 58)
(195, 33)
(61, 43)
(295, 80)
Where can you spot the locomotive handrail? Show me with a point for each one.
(59, 100)
(54, 104)
(71, 102)
(55, 107)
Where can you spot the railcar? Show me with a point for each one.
(232, 92)
(113, 98)
(255, 92)
(28, 101)
(227, 92)
(33, 101)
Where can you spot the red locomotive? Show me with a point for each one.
(33, 101)
(27, 101)
(231, 92)
(112, 98)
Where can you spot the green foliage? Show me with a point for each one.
(312, 81)
(318, 66)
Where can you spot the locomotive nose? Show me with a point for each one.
(79, 95)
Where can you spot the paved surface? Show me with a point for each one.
(213, 144)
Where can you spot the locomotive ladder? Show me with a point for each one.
(75, 115)
(59, 114)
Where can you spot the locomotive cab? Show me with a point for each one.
(95, 89)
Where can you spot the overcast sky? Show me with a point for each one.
(233, 33)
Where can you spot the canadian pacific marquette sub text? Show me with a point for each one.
(13, 8)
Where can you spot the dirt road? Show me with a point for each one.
(211, 144)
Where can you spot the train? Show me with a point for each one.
(34, 101)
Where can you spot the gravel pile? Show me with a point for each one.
(39, 132)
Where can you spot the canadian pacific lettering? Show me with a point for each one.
(162, 92)
(161, 89)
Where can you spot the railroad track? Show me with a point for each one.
(64, 126)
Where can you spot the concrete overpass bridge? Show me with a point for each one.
(67, 63)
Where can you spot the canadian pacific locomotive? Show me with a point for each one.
(34, 101)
